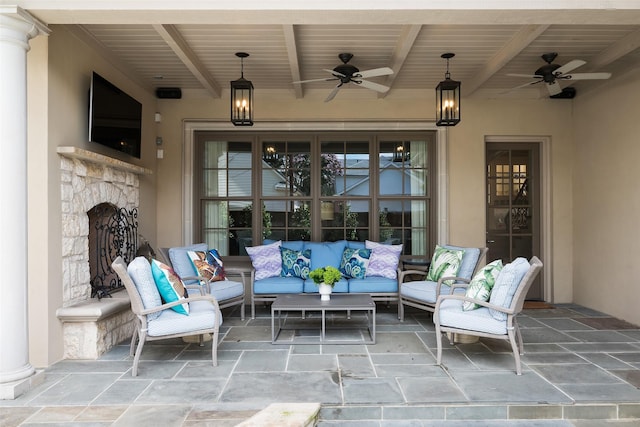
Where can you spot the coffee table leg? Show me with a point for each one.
(372, 326)
(273, 328)
(324, 312)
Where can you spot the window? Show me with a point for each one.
(224, 194)
(373, 185)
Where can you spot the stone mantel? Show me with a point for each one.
(90, 156)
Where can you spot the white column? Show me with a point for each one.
(16, 28)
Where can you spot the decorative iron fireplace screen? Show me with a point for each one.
(113, 232)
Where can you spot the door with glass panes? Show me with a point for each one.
(513, 204)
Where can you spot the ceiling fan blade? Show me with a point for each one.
(587, 76)
(569, 66)
(554, 88)
(334, 72)
(370, 85)
(528, 76)
(384, 71)
(521, 86)
(333, 93)
(316, 80)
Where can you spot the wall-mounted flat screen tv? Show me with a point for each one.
(115, 118)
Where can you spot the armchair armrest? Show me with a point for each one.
(165, 306)
(475, 301)
(235, 271)
(404, 273)
(458, 282)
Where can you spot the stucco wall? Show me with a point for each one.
(485, 118)
(607, 198)
(59, 76)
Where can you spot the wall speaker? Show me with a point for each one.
(169, 93)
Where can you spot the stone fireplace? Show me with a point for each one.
(91, 326)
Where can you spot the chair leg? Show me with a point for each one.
(400, 310)
(242, 311)
(439, 345)
(253, 309)
(516, 327)
(134, 338)
(514, 347)
(136, 358)
(214, 348)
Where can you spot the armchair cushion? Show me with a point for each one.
(140, 271)
(202, 316)
(384, 259)
(295, 263)
(266, 260)
(170, 286)
(452, 314)
(180, 260)
(207, 264)
(506, 285)
(355, 262)
(481, 284)
(445, 263)
(469, 260)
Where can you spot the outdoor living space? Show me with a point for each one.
(580, 368)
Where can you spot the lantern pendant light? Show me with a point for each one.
(448, 98)
(242, 97)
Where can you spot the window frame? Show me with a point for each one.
(437, 156)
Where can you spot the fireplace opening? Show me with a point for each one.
(113, 232)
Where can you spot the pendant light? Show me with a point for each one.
(448, 98)
(242, 97)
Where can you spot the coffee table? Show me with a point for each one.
(338, 302)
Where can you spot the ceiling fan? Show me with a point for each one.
(550, 73)
(347, 73)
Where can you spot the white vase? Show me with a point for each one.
(325, 291)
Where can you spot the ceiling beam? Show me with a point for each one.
(625, 45)
(178, 44)
(520, 40)
(292, 52)
(405, 42)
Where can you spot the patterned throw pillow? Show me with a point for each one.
(266, 260)
(207, 264)
(355, 262)
(481, 284)
(295, 263)
(445, 263)
(170, 286)
(384, 259)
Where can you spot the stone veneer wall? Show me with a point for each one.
(91, 327)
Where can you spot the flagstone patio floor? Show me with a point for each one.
(580, 368)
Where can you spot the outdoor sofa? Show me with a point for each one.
(279, 268)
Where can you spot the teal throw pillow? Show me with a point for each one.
(481, 284)
(445, 263)
(170, 286)
(295, 263)
(354, 263)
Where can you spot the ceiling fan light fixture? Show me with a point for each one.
(242, 97)
(448, 98)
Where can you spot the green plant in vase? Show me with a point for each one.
(328, 275)
(325, 278)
